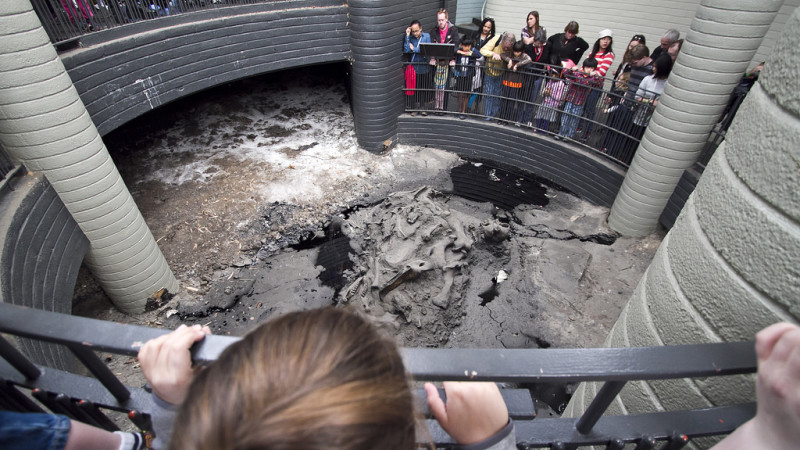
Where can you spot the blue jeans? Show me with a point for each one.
(525, 115)
(491, 91)
(33, 431)
(569, 120)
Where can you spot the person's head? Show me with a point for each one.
(571, 30)
(487, 27)
(318, 379)
(603, 43)
(442, 18)
(669, 37)
(466, 44)
(589, 65)
(636, 40)
(662, 66)
(532, 22)
(639, 55)
(539, 38)
(507, 41)
(675, 48)
(416, 28)
(518, 48)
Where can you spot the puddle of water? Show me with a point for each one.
(483, 183)
(333, 255)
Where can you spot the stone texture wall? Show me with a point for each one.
(731, 264)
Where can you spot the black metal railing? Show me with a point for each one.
(601, 120)
(85, 398)
(66, 20)
(7, 167)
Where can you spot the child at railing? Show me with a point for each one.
(464, 72)
(580, 85)
(323, 378)
(552, 95)
(515, 60)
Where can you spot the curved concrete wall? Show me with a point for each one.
(582, 172)
(723, 39)
(41, 250)
(125, 72)
(730, 265)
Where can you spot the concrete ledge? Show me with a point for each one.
(41, 251)
(589, 175)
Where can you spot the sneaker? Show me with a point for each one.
(558, 137)
(462, 116)
(487, 119)
(424, 113)
(413, 113)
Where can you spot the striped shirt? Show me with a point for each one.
(604, 61)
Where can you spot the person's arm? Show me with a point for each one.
(523, 62)
(777, 421)
(167, 364)
(488, 48)
(475, 414)
(407, 46)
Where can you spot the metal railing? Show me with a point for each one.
(603, 121)
(66, 20)
(85, 398)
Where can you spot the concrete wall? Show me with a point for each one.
(731, 264)
(125, 72)
(583, 172)
(41, 250)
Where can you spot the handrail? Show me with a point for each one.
(608, 122)
(615, 366)
(70, 19)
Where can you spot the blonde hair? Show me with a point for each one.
(319, 379)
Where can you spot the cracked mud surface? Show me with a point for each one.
(240, 183)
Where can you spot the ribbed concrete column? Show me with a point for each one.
(731, 264)
(44, 124)
(722, 41)
(375, 31)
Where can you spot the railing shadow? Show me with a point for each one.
(86, 399)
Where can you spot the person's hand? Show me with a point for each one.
(474, 411)
(510, 64)
(408, 31)
(452, 62)
(167, 363)
(433, 61)
(496, 56)
(777, 421)
(778, 384)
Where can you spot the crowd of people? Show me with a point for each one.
(540, 81)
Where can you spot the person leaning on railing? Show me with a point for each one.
(494, 69)
(327, 378)
(317, 379)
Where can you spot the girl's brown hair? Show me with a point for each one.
(319, 379)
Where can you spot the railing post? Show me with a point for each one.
(18, 360)
(598, 406)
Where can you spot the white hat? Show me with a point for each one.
(605, 33)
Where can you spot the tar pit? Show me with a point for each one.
(262, 203)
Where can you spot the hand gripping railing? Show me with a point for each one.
(81, 397)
